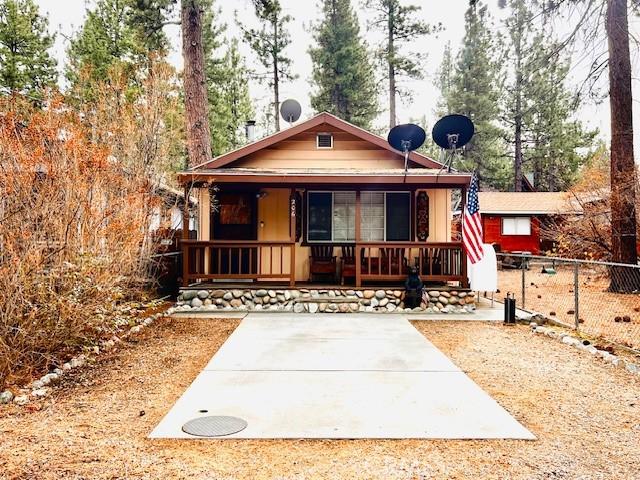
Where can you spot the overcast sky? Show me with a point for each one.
(66, 17)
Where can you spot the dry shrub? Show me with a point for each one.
(73, 235)
(588, 235)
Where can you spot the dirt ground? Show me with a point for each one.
(553, 296)
(586, 415)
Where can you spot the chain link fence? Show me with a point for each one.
(579, 294)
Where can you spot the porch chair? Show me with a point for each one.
(393, 261)
(431, 261)
(322, 261)
(348, 263)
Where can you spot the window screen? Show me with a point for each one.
(319, 216)
(398, 212)
(344, 216)
(516, 226)
(372, 215)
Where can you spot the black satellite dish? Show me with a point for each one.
(290, 110)
(406, 138)
(451, 133)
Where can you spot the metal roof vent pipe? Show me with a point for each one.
(250, 131)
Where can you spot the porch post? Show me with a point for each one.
(292, 234)
(185, 236)
(463, 203)
(358, 238)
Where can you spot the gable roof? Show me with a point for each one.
(225, 159)
(528, 203)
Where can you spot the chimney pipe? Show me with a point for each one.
(250, 130)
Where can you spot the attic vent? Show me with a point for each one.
(324, 140)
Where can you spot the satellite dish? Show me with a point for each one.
(290, 110)
(406, 138)
(453, 131)
(450, 133)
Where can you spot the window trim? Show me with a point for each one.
(515, 218)
(307, 241)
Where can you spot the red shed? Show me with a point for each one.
(511, 220)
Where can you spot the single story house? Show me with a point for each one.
(323, 201)
(511, 221)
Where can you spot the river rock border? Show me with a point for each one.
(587, 346)
(321, 300)
(41, 387)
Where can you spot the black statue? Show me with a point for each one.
(413, 289)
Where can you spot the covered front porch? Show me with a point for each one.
(319, 229)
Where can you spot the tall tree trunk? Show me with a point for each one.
(623, 181)
(517, 164)
(276, 81)
(392, 70)
(195, 85)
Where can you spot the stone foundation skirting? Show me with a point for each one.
(322, 300)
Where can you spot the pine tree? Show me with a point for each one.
(539, 109)
(236, 96)
(399, 24)
(227, 84)
(269, 42)
(106, 40)
(444, 81)
(149, 17)
(475, 92)
(26, 67)
(195, 83)
(343, 74)
(553, 136)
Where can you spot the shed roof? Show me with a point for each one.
(530, 203)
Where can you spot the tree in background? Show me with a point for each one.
(343, 74)
(553, 136)
(26, 67)
(473, 89)
(400, 27)
(269, 42)
(538, 107)
(107, 39)
(227, 85)
(444, 81)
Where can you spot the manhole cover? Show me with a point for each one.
(214, 426)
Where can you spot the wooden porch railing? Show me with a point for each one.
(436, 262)
(273, 260)
(241, 259)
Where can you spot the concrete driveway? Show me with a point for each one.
(338, 376)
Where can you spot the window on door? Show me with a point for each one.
(385, 216)
(516, 226)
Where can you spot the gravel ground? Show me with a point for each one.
(586, 415)
(552, 295)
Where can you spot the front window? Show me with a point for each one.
(385, 216)
(516, 226)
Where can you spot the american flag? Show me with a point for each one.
(472, 224)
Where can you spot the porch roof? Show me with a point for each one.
(430, 176)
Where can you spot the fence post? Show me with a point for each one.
(523, 264)
(576, 296)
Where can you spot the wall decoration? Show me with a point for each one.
(422, 217)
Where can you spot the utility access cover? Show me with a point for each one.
(214, 426)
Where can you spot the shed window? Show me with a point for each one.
(324, 140)
(516, 226)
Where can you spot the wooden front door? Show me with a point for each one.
(235, 218)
